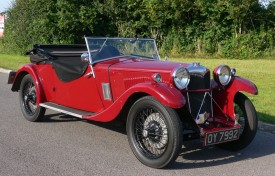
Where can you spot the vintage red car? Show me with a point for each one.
(162, 102)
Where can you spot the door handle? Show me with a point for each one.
(88, 75)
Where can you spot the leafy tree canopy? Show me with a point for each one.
(232, 28)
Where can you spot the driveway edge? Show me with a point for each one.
(266, 127)
(2, 70)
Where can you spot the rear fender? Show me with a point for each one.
(29, 69)
(168, 96)
(225, 97)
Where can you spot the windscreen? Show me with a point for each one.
(105, 48)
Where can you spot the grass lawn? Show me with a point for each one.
(261, 72)
(12, 62)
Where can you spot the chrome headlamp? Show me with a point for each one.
(222, 75)
(181, 77)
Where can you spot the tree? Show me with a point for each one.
(233, 28)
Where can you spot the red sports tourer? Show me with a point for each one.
(162, 102)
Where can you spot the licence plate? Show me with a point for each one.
(221, 136)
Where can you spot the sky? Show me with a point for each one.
(4, 4)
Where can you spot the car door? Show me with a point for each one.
(80, 93)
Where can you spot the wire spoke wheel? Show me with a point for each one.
(242, 116)
(154, 132)
(28, 100)
(151, 133)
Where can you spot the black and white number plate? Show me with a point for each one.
(221, 136)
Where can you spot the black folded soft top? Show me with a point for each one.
(66, 59)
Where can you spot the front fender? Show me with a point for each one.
(169, 96)
(225, 97)
(29, 69)
(165, 94)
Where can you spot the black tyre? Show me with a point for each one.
(27, 98)
(154, 132)
(248, 121)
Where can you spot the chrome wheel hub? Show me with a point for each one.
(151, 133)
(145, 133)
(156, 131)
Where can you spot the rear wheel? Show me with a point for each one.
(154, 132)
(247, 119)
(27, 98)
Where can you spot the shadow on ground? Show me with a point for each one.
(193, 154)
(115, 125)
(58, 117)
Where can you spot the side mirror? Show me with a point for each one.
(166, 57)
(85, 57)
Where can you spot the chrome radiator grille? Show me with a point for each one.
(199, 100)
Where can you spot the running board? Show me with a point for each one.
(66, 110)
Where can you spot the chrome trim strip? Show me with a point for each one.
(189, 103)
(106, 91)
(119, 38)
(157, 50)
(90, 57)
(201, 105)
(60, 110)
(89, 52)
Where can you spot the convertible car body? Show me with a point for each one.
(162, 102)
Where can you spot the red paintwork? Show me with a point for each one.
(121, 77)
(86, 94)
(143, 65)
(127, 73)
(81, 93)
(30, 69)
(169, 96)
(225, 97)
(126, 76)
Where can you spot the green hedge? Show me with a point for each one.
(232, 29)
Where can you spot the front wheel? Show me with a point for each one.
(247, 119)
(154, 132)
(27, 98)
